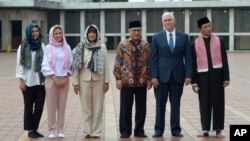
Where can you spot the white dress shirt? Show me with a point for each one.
(173, 35)
(30, 77)
(59, 57)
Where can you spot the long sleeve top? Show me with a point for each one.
(30, 77)
(85, 74)
(59, 57)
(132, 63)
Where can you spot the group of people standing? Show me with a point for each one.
(45, 71)
(169, 63)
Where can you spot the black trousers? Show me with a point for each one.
(126, 104)
(211, 99)
(33, 106)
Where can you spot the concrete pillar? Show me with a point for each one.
(6, 32)
(209, 15)
(62, 19)
(123, 25)
(144, 24)
(45, 27)
(82, 24)
(25, 22)
(231, 29)
(187, 21)
(102, 26)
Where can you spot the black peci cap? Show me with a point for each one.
(133, 24)
(202, 21)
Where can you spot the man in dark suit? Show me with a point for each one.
(170, 69)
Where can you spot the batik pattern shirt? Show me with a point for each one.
(132, 63)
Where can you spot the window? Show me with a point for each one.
(112, 42)
(154, 26)
(132, 16)
(220, 20)
(225, 39)
(112, 21)
(242, 42)
(16, 33)
(92, 17)
(72, 41)
(72, 22)
(53, 18)
(180, 19)
(241, 19)
(194, 16)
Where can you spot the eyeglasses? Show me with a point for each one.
(135, 30)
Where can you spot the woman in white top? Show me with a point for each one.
(28, 70)
(91, 80)
(56, 68)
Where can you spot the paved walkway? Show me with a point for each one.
(237, 107)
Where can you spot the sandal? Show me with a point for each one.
(204, 134)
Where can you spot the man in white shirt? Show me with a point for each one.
(170, 69)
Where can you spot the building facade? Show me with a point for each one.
(230, 19)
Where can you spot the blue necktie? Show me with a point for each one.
(171, 42)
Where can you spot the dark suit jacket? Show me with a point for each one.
(163, 62)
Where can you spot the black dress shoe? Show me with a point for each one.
(39, 134)
(156, 136)
(96, 137)
(32, 134)
(124, 136)
(177, 135)
(141, 136)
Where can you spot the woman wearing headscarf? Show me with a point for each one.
(56, 68)
(28, 70)
(91, 80)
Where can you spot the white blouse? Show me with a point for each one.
(30, 77)
(57, 70)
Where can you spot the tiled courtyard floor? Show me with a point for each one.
(237, 106)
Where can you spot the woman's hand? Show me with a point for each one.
(154, 82)
(77, 89)
(195, 88)
(149, 84)
(226, 83)
(22, 85)
(119, 84)
(105, 87)
(61, 81)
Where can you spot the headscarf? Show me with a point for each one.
(28, 45)
(54, 44)
(89, 44)
(96, 61)
(33, 44)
